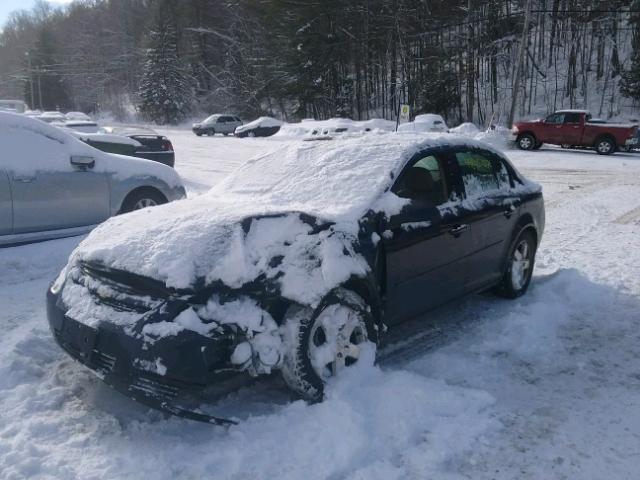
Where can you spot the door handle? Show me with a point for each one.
(509, 210)
(457, 230)
(24, 178)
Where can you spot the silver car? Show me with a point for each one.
(53, 185)
(218, 123)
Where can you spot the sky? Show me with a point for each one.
(8, 6)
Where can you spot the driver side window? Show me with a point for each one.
(555, 119)
(424, 180)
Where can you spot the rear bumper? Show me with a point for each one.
(168, 374)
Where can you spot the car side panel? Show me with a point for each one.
(425, 268)
(65, 198)
(6, 204)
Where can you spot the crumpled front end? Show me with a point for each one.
(160, 347)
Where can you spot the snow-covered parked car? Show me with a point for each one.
(218, 123)
(426, 123)
(52, 116)
(83, 126)
(134, 141)
(52, 185)
(77, 117)
(295, 262)
(262, 127)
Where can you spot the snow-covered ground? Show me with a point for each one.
(544, 387)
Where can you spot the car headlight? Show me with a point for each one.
(57, 285)
(514, 129)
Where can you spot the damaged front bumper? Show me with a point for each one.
(168, 374)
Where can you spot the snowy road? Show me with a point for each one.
(545, 387)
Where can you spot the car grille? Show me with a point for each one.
(120, 290)
(161, 387)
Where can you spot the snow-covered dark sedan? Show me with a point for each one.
(295, 263)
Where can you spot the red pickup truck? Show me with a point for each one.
(572, 128)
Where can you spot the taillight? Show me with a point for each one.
(166, 145)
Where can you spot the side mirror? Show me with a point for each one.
(82, 161)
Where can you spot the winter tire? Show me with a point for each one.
(520, 262)
(526, 141)
(321, 343)
(142, 199)
(605, 146)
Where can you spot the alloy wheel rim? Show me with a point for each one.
(336, 340)
(604, 147)
(520, 265)
(525, 143)
(144, 203)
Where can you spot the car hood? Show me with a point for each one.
(194, 242)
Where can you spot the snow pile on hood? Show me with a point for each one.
(30, 145)
(235, 232)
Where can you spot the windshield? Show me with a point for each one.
(210, 119)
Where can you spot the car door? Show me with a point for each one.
(54, 190)
(552, 129)
(224, 125)
(490, 208)
(572, 129)
(425, 246)
(6, 204)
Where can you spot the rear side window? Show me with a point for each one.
(571, 118)
(478, 173)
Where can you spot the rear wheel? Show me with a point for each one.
(517, 277)
(526, 141)
(140, 199)
(321, 344)
(605, 146)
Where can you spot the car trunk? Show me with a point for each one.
(152, 143)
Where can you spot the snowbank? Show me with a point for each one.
(466, 129)
(334, 126)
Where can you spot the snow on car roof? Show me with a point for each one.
(262, 122)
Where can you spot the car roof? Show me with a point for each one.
(334, 179)
(572, 111)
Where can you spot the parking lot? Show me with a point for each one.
(536, 385)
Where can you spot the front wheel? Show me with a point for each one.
(321, 344)
(605, 146)
(526, 141)
(142, 199)
(517, 277)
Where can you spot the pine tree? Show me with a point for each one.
(165, 91)
(630, 83)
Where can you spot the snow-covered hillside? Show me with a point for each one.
(547, 386)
